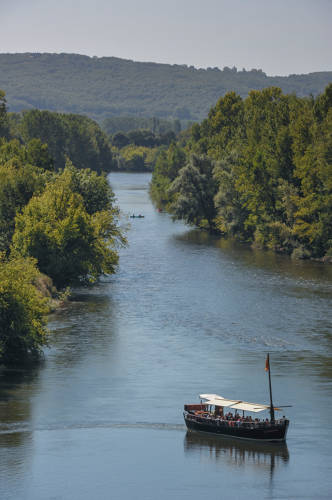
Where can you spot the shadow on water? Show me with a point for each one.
(264, 456)
(14, 385)
(263, 260)
(85, 327)
(15, 406)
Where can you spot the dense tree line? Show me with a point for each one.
(143, 137)
(57, 225)
(133, 158)
(258, 169)
(138, 150)
(107, 86)
(67, 136)
(82, 141)
(126, 124)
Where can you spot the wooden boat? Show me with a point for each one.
(210, 416)
(137, 216)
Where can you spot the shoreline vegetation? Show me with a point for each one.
(59, 225)
(258, 170)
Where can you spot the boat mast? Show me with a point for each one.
(267, 367)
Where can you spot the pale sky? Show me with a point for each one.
(278, 36)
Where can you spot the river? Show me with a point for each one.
(186, 313)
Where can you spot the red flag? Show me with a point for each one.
(267, 363)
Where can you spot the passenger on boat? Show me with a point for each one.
(219, 412)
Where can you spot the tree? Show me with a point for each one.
(69, 136)
(70, 245)
(37, 154)
(120, 140)
(313, 218)
(4, 125)
(33, 153)
(50, 129)
(272, 175)
(95, 190)
(166, 169)
(22, 311)
(194, 190)
(231, 214)
(18, 183)
(142, 138)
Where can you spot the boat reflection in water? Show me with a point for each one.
(235, 452)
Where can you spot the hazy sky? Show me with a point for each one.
(278, 36)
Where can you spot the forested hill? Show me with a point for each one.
(108, 86)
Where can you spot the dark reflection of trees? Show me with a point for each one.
(265, 260)
(15, 406)
(236, 452)
(85, 326)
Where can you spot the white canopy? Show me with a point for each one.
(250, 407)
(215, 400)
(210, 396)
(221, 402)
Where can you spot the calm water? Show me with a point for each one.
(186, 313)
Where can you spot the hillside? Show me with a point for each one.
(108, 86)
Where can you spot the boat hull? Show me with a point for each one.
(269, 433)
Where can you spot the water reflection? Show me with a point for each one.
(265, 456)
(260, 259)
(15, 416)
(15, 407)
(87, 325)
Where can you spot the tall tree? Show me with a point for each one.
(4, 124)
(22, 311)
(70, 245)
(194, 192)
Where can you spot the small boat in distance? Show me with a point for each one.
(137, 216)
(210, 416)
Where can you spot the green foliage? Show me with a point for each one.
(34, 153)
(70, 245)
(167, 166)
(22, 311)
(137, 158)
(64, 222)
(18, 183)
(230, 212)
(272, 177)
(37, 154)
(120, 140)
(94, 188)
(4, 124)
(107, 87)
(139, 149)
(313, 218)
(149, 139)
(194, 191)
(66, 135)
(125, 124)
